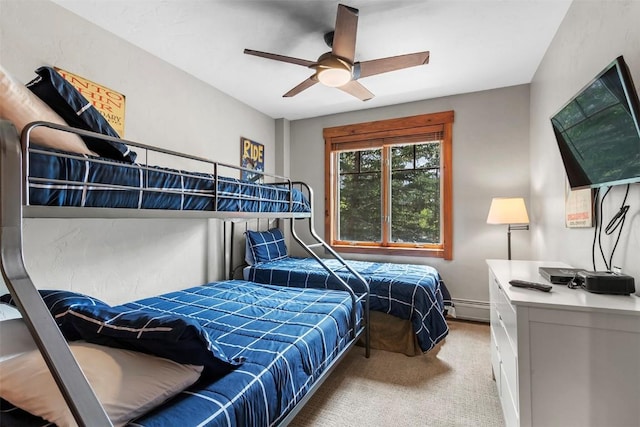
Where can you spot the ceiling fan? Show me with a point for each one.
(337, 68)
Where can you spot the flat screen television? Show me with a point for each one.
(598, 131)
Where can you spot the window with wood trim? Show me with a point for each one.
(388, 186)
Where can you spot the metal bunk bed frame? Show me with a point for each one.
(14, 189)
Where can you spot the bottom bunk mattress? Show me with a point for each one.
(407, 291)
(286, 337)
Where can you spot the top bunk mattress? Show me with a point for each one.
(57, 178)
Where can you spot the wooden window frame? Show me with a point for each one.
(368, 134)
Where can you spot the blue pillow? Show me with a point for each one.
(58, 302)
(266, 245)
(78, 112)
(170, 336)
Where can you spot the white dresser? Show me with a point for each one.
(566, 357)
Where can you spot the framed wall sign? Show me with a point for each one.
(251, 157)
(578, 208)
(107, 101)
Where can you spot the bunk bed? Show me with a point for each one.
(272, 346)
(407, 292)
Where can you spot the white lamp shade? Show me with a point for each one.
(507, 210)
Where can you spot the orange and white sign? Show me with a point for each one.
(107, 101)
(579, 208)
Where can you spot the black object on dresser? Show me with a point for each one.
(607, 282)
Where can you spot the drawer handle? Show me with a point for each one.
(497, 284)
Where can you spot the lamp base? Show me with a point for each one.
(513, 227)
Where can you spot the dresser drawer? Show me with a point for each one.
(509, 361)
(504, 355)
(506, 313)
(495, 361)
(511, 416)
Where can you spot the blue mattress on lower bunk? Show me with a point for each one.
(152, 188)
(287, 336)
(408, 291)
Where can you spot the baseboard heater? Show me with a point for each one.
(470, 310)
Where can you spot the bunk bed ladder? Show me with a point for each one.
(55, 351)
(320, 243)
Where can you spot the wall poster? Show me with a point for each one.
(578, 208)
(251, 157)
(107, 101)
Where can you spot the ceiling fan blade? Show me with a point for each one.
(356, 89)
(344, 36)
(392, 63)
(302, 86)
(282, 58)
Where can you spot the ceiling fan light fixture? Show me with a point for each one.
(338, 67)
(334, 77)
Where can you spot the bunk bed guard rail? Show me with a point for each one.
(217, 173)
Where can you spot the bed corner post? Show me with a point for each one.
(77, 392)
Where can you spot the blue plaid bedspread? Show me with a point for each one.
(155, 188)
(288, 337)
(408, 291)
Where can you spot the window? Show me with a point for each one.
(388, 186)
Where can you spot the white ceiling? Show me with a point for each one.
(475, 44)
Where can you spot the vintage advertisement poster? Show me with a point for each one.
(251, 157)
(578, 208)
(107, 101)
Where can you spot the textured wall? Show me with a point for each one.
(592, 35)
(490, 159)
(165, 107)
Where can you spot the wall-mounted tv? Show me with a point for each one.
(598, 131)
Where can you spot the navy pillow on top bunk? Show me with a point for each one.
(78, 112)
(266, 245)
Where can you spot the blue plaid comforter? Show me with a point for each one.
(155, 188)
(288, 337)
(408, 291)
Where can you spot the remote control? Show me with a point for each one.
(531, 285)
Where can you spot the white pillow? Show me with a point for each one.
(8, 311)
(20, 106)
(248, 254)
(127, 383)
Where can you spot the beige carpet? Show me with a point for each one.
(451, 388)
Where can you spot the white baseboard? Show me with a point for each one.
(471, 310)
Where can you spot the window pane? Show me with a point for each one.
(348, 162)
(402, 156)
(359, 196)
(428, 155)
(415, 200)
(370, 160)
